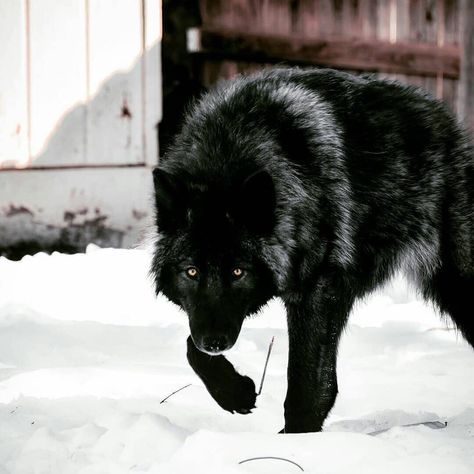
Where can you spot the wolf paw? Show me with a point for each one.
(236, 395)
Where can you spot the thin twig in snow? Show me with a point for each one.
(266, 363)
(176, 391)
(272, 457)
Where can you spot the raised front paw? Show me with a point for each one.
(236, 395)
(232, 391)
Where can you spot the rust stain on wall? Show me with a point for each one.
(125, 110)
(16, 210)
(69, 216)
(138, 215)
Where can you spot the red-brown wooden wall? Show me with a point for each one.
(400, 25)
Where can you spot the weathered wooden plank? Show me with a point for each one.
(337, 13)
(305, 17)
(403, 20)
(13, 85)
(423, 15)
(466, 86)
(451, 21)
(382, 27)
(151, 63)
(246, 15)
(359, 54)
(369, 18)
(58, 81)
(451, 36)
(217, 12)
(275, 16)
(351, 19)
(114, 113)
(384, 17)
(399, 30)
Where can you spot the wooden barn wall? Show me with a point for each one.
(434, 22)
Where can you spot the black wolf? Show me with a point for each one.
(314, 186)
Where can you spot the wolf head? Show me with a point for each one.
(208, 258)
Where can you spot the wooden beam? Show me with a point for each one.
(466, 83)
(346, 53)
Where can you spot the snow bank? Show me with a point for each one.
(87, 353)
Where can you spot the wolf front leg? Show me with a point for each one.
(315, 324)
(232, 391)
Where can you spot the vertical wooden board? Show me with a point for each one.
(369, 18)
(466, 81)
(276, 17)
(216, 13)
(305, 18)
(432, 13)
(246, 15)
(402, 30)
(114, 114)
(384, 27)
(352, 18)
(208, 73)
(326, 17)
(451, 21)
(213, 71)
(450, 93)
(233, 14)
(251, 16)
(423, 15)
(417, 81)
(415, 14)
(152, 110)
(406, 27)
(58, 81)
(251, 67)
(403, 20)
(13, 85)
(383, 20)
(337, 18)
(433, 33)
(451, 36)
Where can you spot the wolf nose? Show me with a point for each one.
(215, 344)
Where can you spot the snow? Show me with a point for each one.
(87, 353)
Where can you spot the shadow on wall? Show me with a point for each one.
(110, 129)
(91, 182)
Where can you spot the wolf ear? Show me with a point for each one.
(257, 202)
(169, 197)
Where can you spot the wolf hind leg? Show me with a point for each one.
(453, 293)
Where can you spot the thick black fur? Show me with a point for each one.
(319, 185)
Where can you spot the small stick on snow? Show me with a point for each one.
(272, 457)
(176, 391)
(266, 363)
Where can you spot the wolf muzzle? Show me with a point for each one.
(213, 344)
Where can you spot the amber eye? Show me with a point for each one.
(192, 272)
(237, 272)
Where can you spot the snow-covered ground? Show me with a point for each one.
(87, 353)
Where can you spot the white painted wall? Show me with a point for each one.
(111, 206)
(80, 87)
(13, 85)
